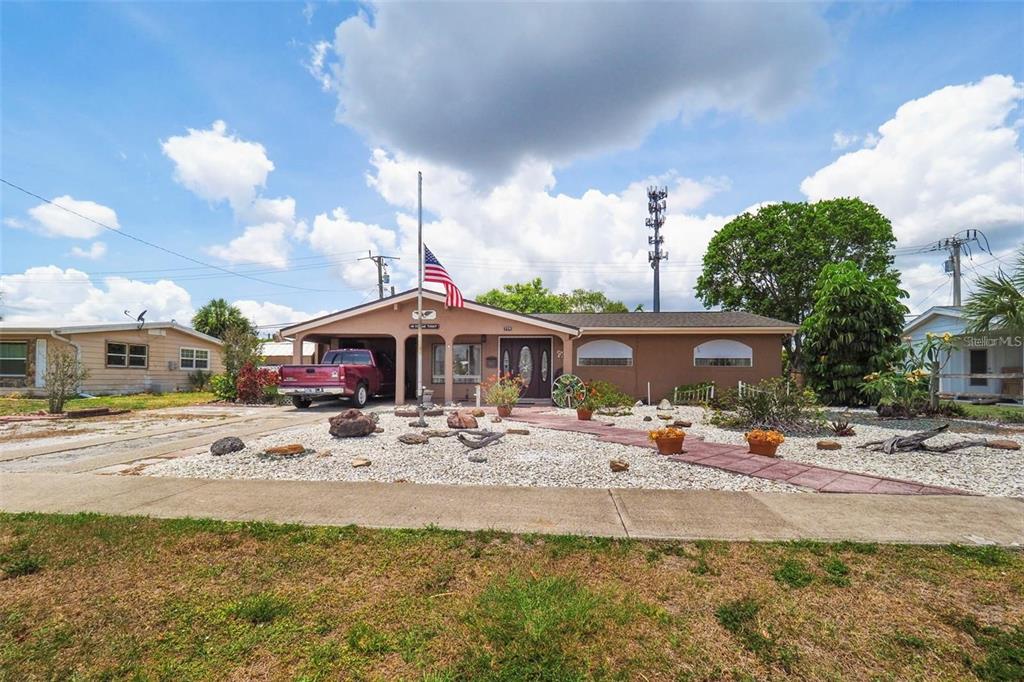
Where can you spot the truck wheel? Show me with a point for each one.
(361, 395)
(301, 403)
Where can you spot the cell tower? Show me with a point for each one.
(656, 205)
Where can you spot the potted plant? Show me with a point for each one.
(503, 392)
(764, 441)
(668, 439)
(587, 401)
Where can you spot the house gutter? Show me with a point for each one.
(73, 344)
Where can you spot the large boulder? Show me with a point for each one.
(664, 404)
(226, 445)
(461, 420)
(352, 423)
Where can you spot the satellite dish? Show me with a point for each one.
(141, 319)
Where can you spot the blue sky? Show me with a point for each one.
(535, 149)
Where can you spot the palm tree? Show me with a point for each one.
(997, 303)
(217, 317)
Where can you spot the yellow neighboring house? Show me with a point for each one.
(156, 357)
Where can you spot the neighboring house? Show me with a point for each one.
(989, 365)
(277, 353)
(462, 347)
(120, 358)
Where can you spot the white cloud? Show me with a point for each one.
(308, 10)
(841, 140)
(318, 66)
(217, 166)
(947, 161)
(53, 221)
(332, 233)
(95, 251)
(50, 295)
(272, 316)
(263, 244)
(486, 86)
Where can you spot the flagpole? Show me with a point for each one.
(419, 293)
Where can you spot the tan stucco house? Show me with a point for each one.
(464, 346)
(120, 358)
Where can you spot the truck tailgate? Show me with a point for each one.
(311, 375)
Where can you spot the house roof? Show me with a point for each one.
(577, 322)
(668, 320)
(118, 327)
(934, 311)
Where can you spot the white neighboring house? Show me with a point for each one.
(985, 366)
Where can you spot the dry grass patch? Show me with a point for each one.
(122, 597)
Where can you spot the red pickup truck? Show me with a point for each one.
(353, 373)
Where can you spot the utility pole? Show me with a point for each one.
(656, 205)
(956, 245)
(382, 271)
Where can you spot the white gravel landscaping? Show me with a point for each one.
(981, 470)
(544, 458)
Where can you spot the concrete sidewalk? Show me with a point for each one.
(668, 514)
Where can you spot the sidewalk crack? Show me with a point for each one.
(618, 512)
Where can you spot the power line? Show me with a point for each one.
(151, 244)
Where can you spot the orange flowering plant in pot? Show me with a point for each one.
(669, 439)
(764, 441)
(502, 391)
(586, 401)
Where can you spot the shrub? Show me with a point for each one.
(773, 404)
(199, 380)
(223, 387)
(63, 375)
(502, 390)
(607, 394)
(252, 382)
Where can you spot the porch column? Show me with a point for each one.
(399, 371)
(449, 375)
(567, 355)
(297, 349)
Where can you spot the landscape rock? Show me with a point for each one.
(478, 412)
(477, 458)
(619, 465)
(1000, 444)
(518, 432)
(828, 445)
(226, 445)
(379, 429)
(289, 450)
(411, 412)
(352, 423)
(666, 417)
(682, 424)
(495, 420)
(461, 420)
(439, 433)
(412, 439)
(360, 462)
(648, 418)
(664, 404)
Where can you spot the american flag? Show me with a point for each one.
(433, 271)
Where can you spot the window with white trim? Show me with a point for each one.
(134, 356)
(194, 358)
(13, 358)
(723, 353)
(465, 363)
(604, 353)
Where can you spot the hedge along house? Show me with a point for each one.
(120, 358)
(464, 346)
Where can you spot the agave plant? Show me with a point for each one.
(998, 301)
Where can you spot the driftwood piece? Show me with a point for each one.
(483, 438)
(916, 441)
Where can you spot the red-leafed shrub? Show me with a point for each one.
(252, 383)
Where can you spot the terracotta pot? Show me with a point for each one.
(670, 446)
(766, 449)
(584, 415)
(504, 411)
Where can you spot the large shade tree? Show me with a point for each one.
(769, 262)
(997, 302)
(218, 317)
(853, 329)
(533, 297)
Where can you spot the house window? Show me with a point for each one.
(604, 353)
(465, 363)
(194, 358)
(13, 358)
(723, 353)
(127, 355)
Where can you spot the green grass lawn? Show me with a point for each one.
(94, 597)
(138, 401)
(1003, 413)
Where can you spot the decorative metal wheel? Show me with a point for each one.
(565, 390)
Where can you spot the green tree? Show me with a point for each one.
(533, 297)
(769, 262)
(852, 331)
(997, 302)
(217, 317)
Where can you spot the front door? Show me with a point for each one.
(529, 359)
(979, 365)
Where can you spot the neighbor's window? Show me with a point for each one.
(465, 363)
(127, 355)
(723, 353)
(194, 358)
(13, 358)
(604, 353)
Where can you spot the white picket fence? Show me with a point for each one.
(703, 394)
(743, 389)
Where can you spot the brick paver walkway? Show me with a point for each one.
(736, 459)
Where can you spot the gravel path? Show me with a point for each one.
(543, 458)
(981, 470)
